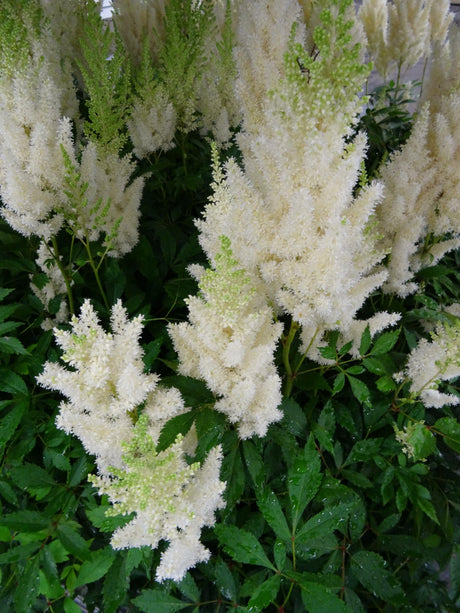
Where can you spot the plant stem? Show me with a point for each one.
(57, 259)
(287, 342)
(96, 273)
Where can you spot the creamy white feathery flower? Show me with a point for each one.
(402, 32)
(172, 500)
(229, 343)
(431, 362)
(113, 200)
(296, 222)
(54, 287)
(152, 124)
(422, 190)
(103, 382)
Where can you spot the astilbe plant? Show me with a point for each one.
(254, 403)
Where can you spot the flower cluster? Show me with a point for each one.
(402, 32)
(418, 218)
(430, 363)
(229, 343)
(117, 411)
(42, 134)
(295, 220)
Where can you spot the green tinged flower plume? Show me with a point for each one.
(106, 73)
(327, 80)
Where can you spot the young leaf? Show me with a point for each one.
(242, 546)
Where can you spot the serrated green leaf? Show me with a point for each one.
(4, 292)
(242, 546)
(157, 601)
(318, 599)
(180, 424)
(322, 524)
(363, 451)
(19, 552)
(25, 521)
(270, 508)
(385, 384)
(265, 594)
(279, 553)
(374, 365)
(73, 542)
(29, 582)
(254, 463)
(369, 568)
(385, 343)
(293, 417)
(449, 427)
(189, 588)
(12, 345)
(95, 566)
(30, 476)
(116, 584)
(70, 606)
(304, 479)
(10, 421)
(8, 326)
(225, 581)
(339, 382)
(366, 340)
(12, 383)
(360, 390)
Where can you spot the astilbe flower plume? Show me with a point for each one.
(418, 217)
(229, 343)
(434, 361)
(297, 224)
(117, 411)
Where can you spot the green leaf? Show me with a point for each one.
(375, 365)
(189, 588)
(157, 601)
(254, 463)
(366, 340)
(180, 424)
(339, 382)
(19, 552)
(30, 477)
(360, 390)
(322, 524)
(11, 421)
(225, 581)
(370, 570)
(293, 417)
(96, 566)
(25, 521)
(12, 345)
(385, 343)
(304, 479)
(449, 427)
(363, 451)
(318, 599)
(11, 383)
(242, 546)
(385, 384)
(71, 606)
(73, 542)
(116, 584)
(29, 583)
(270, 508)
(265, 594)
